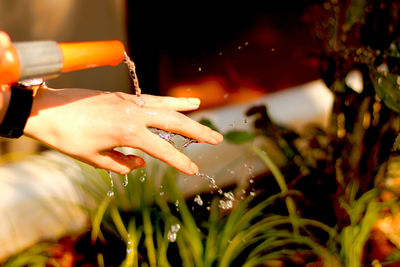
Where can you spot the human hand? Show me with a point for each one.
(5, 42)
(88, 125)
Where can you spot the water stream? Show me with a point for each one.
(110, 192)
(132, 73)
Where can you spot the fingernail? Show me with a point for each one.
(217, 136)
(194, 168)
(194, 101)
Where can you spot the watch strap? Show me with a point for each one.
(17, 113)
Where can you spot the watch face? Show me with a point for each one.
(30, 82)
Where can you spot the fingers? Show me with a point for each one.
(164, 151)
(118, 162)
(177, 122)
(172, 103)
(5, 41)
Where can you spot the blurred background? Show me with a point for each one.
(220, 51)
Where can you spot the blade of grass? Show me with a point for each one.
(210, 251)
(119, 224)
(148, 233)
(189, 223)
(132, 252)
(291, 207)
(98, 217)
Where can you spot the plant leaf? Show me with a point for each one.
(239, 137)
(209, 124)
(387, 88)
(396, 145)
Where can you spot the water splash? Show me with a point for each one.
(178, 141)
(125, 183)
(228, 197)
(213, 184)
(198, 200)
(132, 73)
(172, 233)
(227, 203)
(110, 192)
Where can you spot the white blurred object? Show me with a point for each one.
(354, 80)
(39, 201)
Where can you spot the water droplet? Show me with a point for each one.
(142, 179)
(239, 47)
(140, 101)
(177, 203)
(251, 181)
(252, 193)
(161, 193)
(125, 180)
(198, 200)
(246, 43)
(220, 53)
(110, 193)
(199, 68)
(229, 195)
(171, 236)
(129, 250)
(175, 228)
(225, 205)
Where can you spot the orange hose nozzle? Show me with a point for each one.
(84, 55)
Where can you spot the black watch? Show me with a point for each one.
(19, 108)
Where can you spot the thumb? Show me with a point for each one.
(118, 162)
(5, 41)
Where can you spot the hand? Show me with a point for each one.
(88, 125)
(5, 42)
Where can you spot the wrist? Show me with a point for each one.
(19, 107)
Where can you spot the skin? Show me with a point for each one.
(5, 42)
(89, 125)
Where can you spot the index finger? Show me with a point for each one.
(168, 102)
(164, 151)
